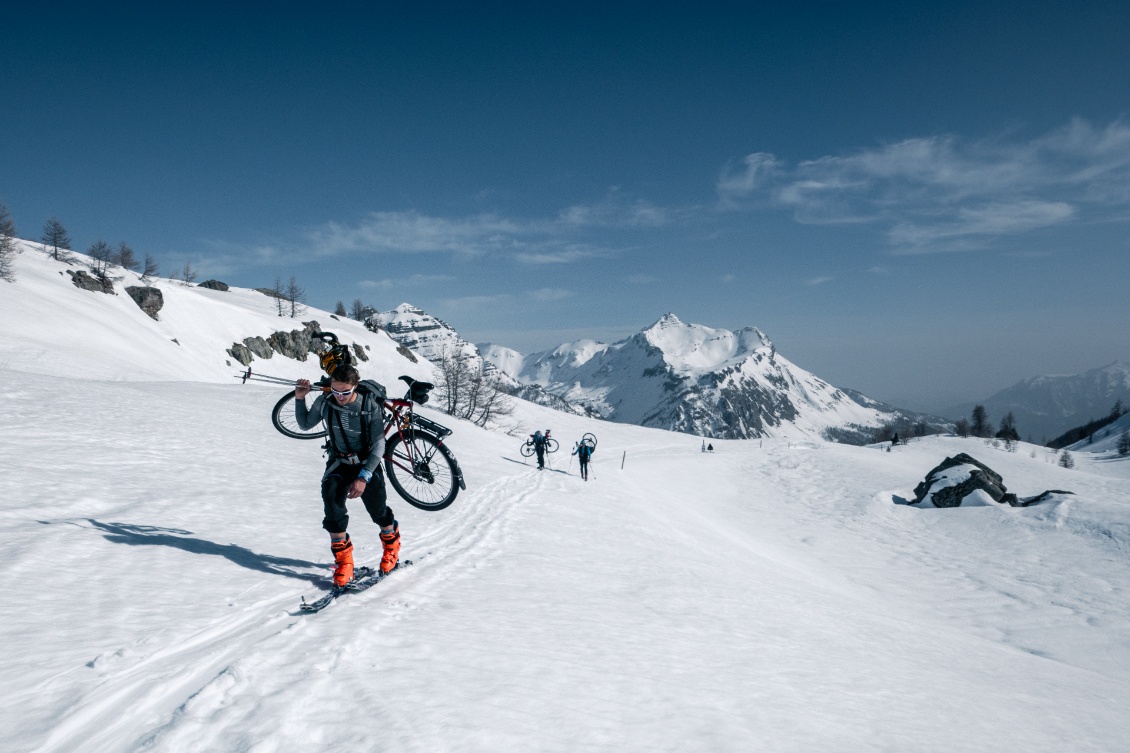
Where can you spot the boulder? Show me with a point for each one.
(259, 347)
(148, 300)
(241, 353)
(297, 343)
(214, 285)
(962, 479)
(82, 279)
(359, 352)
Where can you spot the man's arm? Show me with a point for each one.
(377, 443)
(307, 418)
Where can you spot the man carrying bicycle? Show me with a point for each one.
(356, 442)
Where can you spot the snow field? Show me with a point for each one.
(776, 598)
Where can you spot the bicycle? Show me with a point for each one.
(527, 449)
(419, 465)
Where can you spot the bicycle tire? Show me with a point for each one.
(551, 445)
(527, 450)
(590, 439)
(422, 470)
(283, 419)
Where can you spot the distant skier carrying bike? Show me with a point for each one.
(355, 432)
(540, 441)
(583, 451)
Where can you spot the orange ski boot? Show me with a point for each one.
(343, 558)
(391, 541)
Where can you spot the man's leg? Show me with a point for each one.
(375, 498)
(336, 523)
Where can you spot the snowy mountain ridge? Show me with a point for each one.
(699, 380)
(1046, 406)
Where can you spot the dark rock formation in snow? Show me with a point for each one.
(147, 299)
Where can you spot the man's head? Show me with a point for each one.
(343, 384)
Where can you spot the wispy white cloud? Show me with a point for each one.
(818, 281)
(407, 282)
(549, 294)
(940, 193)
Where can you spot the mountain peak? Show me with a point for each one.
(665, 321)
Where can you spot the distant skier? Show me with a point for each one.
(540, 440)
(355, 430)
(583, 451)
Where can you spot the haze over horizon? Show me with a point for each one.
(927, 204)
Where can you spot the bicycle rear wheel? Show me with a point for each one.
(283, 418)
(590, 439)
(551, 445)
(527, 449)
(422, 470)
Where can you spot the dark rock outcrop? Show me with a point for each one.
(259, 347)
(214, 285)
(271, 292)
(82, 279)
(359, 351)
(147, 299)
(968, 475)
(241, 353)
(297, 343)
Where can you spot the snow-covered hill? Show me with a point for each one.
(1047, 406)
(52, 327)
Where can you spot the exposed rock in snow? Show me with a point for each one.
(147, 299)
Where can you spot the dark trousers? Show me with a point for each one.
(335, 485)
(541, 455)
(584, 468)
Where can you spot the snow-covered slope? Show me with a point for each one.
(54, 328)
(769, 596)
(772, 598)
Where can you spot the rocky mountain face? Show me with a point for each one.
(434, 338)
(1047, 406)
(699, 380)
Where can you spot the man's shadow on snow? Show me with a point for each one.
(137, 535)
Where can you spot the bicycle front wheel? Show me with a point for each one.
(422, 470)
(527, 450)
(590, 439)
(283, 419)
(551, 445)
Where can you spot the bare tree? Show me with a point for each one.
(466, 389)
(358, 310)
(125, 258)
(1124, 443)
(188, 275)
(279, 294)
(7, 245)
(961, 427)
(150, 270)
(101, 260)
(295, 297)
(56, 241)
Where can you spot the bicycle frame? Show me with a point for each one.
(403, 421)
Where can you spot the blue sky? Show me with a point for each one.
(925, 203)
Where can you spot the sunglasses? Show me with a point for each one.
(342, 394)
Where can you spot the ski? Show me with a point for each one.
(363, 578)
